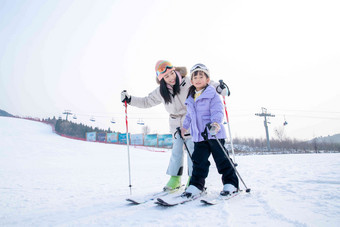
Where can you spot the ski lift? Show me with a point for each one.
(92, 119)
(140, 122)
(285, 122)
(113, 121)
(74, 117)
(225, 123)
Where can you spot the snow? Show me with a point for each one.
(48, 180)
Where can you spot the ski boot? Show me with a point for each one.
(191, 192)
(173, 183)
(228, 189)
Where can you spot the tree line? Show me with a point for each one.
(288, 144)
(73, 129)
(241, 144)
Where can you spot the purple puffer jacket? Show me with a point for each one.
(207, 108)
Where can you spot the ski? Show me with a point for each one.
(177, 200)
(151, 197)
(220, 198)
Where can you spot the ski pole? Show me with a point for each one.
(185, 144)
(223, 85)
(226, 154)
(127, 142)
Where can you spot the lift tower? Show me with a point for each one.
(265, 115)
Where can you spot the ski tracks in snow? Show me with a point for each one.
(247, 208)
(276, 215)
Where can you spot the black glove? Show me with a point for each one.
(223, 89)
(124, 96)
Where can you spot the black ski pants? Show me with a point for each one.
(202, 151)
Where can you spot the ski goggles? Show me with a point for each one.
(162, 67)
(198, 66)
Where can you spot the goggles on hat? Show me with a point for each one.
(163, 67)
(198, 66)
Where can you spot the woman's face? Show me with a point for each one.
(170, 78)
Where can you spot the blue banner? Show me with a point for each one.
(137, 139)
(165, 140)
(112, 137)
(150, 140)
(91, 136)
(122, 138)
(101, 136)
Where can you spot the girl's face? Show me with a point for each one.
(170, 78)
(200, 80)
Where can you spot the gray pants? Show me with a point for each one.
(176, 160)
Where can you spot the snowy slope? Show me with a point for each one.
(48, 180)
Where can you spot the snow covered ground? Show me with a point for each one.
(48, 180)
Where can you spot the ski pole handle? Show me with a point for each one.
(222, 84)
(223, 87)
(178, 131)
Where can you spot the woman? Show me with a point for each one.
(172, 92)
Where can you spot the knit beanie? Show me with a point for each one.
(162, 68)
(181, 72)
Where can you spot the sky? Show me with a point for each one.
(78, 55)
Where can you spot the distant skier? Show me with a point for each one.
(204, 106)
(172, 91)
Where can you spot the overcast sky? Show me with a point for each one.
(79, 54)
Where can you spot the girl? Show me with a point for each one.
(172, 91)
(205, 106)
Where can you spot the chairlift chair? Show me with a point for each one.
(285, 122)
(140, 122)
